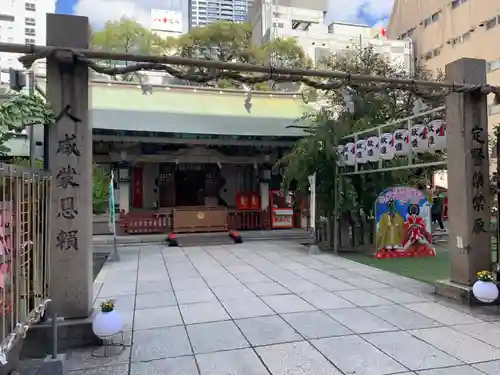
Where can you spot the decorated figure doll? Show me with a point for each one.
(390, 228)
(415, 231)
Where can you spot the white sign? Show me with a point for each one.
(166, 20)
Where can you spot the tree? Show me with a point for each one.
(18, 111)
(100, 190)
(127, 35)
(232, 42)
(317, 152)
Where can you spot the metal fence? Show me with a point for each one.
(24, 251)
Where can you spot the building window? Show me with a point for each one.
(493, 109)
(436, 52)
(455, 4)
(30, 6)
(491, 23)
(6, 17)
(435, 17)
(29, 21)
(29, 31)
(427, 21)
(29, 41)
(466, 37)
(493, 65)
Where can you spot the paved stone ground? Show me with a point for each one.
(270, 308)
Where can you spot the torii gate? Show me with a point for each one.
(70, 160)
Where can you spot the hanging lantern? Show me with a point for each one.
(372, 151)
(350, 154)
(401, 144)
(436, 134)
(361, 151)
(418, 139)
(340, 155)
(386, 146)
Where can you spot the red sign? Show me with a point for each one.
(137, 187)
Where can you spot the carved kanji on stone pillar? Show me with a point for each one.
(468, 173)
(70, 162)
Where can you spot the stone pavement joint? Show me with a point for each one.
(271, 308)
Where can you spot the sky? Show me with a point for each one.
(371, 12)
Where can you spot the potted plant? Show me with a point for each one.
(107, 322)
(485, 289)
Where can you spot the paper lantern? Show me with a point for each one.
(361, 151)
(386, 146)
(418, 139)
(372, 151)
(242, 201)
(436, 134)
(254, 201)
(350, 154)
(340, 156)
(401, 144)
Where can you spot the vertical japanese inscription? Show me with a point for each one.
(67, 181)
(479, 180)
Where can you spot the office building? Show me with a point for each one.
(306, 23)
(443, 31)
(22, 22)
(204, 12)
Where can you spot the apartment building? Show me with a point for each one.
(203, 12)
(446, 30)
(22, 21)
(306, 23)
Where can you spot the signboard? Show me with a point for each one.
(403, 223)
(282, 218)
(166, 20)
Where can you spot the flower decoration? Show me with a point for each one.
(485, 276)
(107, 306)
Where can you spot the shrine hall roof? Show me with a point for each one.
(188, 110)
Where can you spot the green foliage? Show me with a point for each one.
(25, 162)
(222, 40)
(232, 42)
(332, 122)
(127, 35)
(19, 110)
(100, 191)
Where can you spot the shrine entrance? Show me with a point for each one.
(190, 188)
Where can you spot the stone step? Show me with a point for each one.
(46, 366)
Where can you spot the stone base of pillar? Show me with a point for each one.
(458, 292)
(72, 333)
(314, 250)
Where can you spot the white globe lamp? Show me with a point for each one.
(107, 322)
(485, 289)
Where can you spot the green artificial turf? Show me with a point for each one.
(428, 269)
